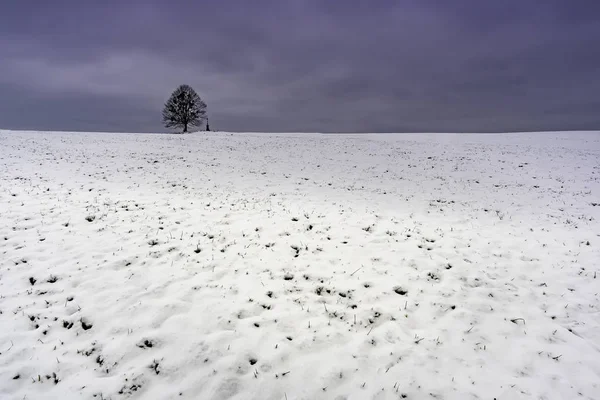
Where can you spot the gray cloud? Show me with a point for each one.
(426, 65)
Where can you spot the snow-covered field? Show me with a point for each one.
(299, 266)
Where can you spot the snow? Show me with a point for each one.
(299, 266)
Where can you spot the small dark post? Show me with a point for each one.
(207, 126)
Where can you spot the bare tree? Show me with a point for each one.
(184, 108)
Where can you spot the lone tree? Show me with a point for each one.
(184, 108)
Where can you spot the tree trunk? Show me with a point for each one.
(185, 128)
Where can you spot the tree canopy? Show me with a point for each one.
(183, 109)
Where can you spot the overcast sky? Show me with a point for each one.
(303, 65)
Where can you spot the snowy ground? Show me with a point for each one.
(257, 266)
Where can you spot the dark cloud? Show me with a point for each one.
(73, 112)
(412, 65)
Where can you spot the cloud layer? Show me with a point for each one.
(392, 66)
